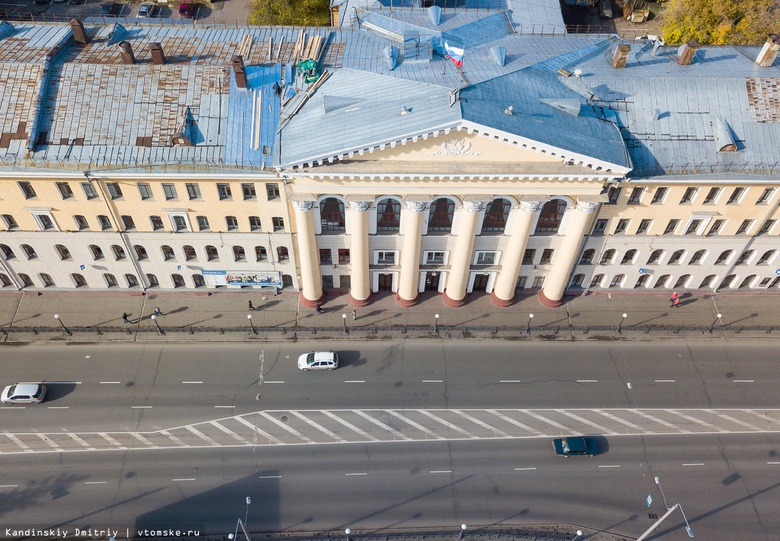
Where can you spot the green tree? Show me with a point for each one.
(720, 22)
(290, 13)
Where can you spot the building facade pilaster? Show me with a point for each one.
(360, 279)
(311, 279)
(460, 265)
(409, 281)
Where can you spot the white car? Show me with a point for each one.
(23, 393)
(318, 360)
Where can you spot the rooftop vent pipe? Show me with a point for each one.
(79, 34)
(158, 56)
(499, 55)
(391, 56)
(238, 68)
(434, 15)
(126, 51)
(768, 53)
(724, 141)
(621, 56)
(686, 52)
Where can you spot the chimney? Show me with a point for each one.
(686, 52)
(768, 53)
(240, 71)
(158, 56)
(620, 56)
(126, 50)
(79, 34)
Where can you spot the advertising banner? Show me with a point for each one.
(242, 278)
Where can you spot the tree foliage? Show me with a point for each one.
(720, 22)
(290, 13)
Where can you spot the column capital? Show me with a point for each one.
(416, 206)
(531, 206)
(587, 207)
(303, 206)
(359, 206)
(473, 206)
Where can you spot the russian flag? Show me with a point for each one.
(455, 54)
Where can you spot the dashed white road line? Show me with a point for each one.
(694, 464)
(356, 473)
(610, 466)
(587, 381)
(773, 462)
(354, 381)
(431, 381)
(110, 382)
(742, 381)
(524, 469)
(193, 382)
(225, 407)
(272, 382)
(509, 381)
(57, 407)
(183, 479)
(141, 407)
(269, 477)
(95, 482)
(441, 471)
(664, 381)
(8, 486)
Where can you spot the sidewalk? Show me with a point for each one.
(222, 316)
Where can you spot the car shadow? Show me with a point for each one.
(351, 359)
(57, 390)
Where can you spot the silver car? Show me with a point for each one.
(318, 360)
(23, 393)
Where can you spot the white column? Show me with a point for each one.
(460, 265)
(311, 280)
(360, 289)
(512, 259)
(566, 255)
(409, 282)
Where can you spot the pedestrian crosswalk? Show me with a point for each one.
(306, 427)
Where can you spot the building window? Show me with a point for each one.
(97, 252)
(345, 282)
(441, 215)
(766, 226)
(547, 255)
(744, 226)
(693, 226)
(89, 190)
(388, 216)
(385, 258)
(63, 252)
(327, 281)
(723, 257)
(550, 216)
(688, 196)
(596, 280)
(642, 281)
(332, 215)
(260, 253)
(140, 252)
(179, 222)
(44, 221)
(489, 258)
(78, 280)
(178, 280)
(682, 281)
(110, 280)
(5, 281)
(8, 253)
(521, 280)
(128, 222)
(119, 252)
(768, 255)
(496, 215)
(343, 256)
(712, 196)
(658, 196)
(272, 191)
(607, 257)
(198, 281)
(765, 282)
(707, 282)
(326, 257)
(232, 223)
(716, 227)
(661, 281)
(65, 190)
(671, 226)
(153, 282)
(766, 195)
(211, 253)
(636, 196)
(167, 252)
(435, 258)
(577, 280)
(676, 257)
(617, 280)
(29, 251)
(644, 226)
(587, 257)
(249, 191)
(224, 191)
(622, 225)
(131, 280)
(278, 223)
(655, 257)
(254, 223)
(46, 279)
(238, 253)
(27, 190)
(628, 257)
(10, 222)
(203, 223)
(528, 256)
(600, 226)
(282, 254)
(189, 253)
(145, 190)
(744, 257)
(81, 222)
(193, 191)
(747, 282)
(157, 223)
(170, 191)
(727, 281)
(114, 191)
(104, 222)
(613, 193)
(26, 281)
(697, 257)
(736, 196)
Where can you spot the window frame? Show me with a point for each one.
(145, 191)
(65, 191)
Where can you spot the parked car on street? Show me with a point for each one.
(577, 445)
(110, 9)
(146, 10)
(318, 360)
(23, 393)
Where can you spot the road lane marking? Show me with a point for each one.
(509, 381)
(524, 469)
(183, 479)
(49, 442)
(8, 486)
(660, 421)
(698, 421)
(441, 471)
(273, 381)
(360, 473)
(743, 381)
(737, 421)
(13, 408)
(511, 421)
(173, 438)
(269, 477)
(110, 382)
(319, 427)
(448, 424)
(142, 439)
(382, 425)
(201, 435)
(598, 427)
(548, 421)
(141, 407)
(762, 416)
(111, 440)
(622, 421)
(57, 407)
(350, 426)
(18, 442)
(257, 430)
(587, 381)
(95, 482)
(480, 423)
(192, 382)
(81, 442)
(354, 381)
(418, 426)
(610, 466)
(664, 381)
(228, 432)
(695, 464)
(773, 462)
(431, 381)
(289, 429)
(225, 407)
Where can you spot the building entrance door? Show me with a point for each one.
(481, 282)
(432, 281)
(385, 282)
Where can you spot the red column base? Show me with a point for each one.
(452, 303)
(549, 303)
(357, 303)
(312, 304)
(406, 303)
(501, 303)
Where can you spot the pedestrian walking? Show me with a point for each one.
(318, 310)
(674, 299)
(676, 303)
(354, 315)
(124, 318)
(250, 306)
(157, 311)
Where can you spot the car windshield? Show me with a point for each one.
(310, 358)
(11, 390)
(38, 392)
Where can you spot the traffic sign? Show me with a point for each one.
(649, 499)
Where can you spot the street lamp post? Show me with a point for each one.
(64, 328)
(658, 482)
(620, 323)
(669, 511)
(436, 324)
(578, 536)
(344, 321)
(348, 531)
(717, 318)
(159, 330)
(462, 531)
(251, 327)
(528, 325)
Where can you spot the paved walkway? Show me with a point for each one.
(223, 316)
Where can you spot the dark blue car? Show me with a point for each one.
(576, 445)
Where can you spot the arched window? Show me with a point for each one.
(587, 257)
(440, 216)
(189, 253)
(26, 281)
(211, 253)
(29, 251)
(727, 281)
(8, 253)
(5, 281)
(119, 252)
(697, 257)
(198, 280)
(682, 281)
(550, 217)
(153, 282)
(617, 280)
(78, 280)
(178, 280)
(744, 257)
(496, 215)
(238, 253)
(677, 256)
(747, 282)
(63, 251)
(707, 282)
(642, 282)
(596, 281)
(768, 255)
(628, 257)
(723, 257)
(282, 254)
(97, 251)
(388, 216)
(662, 281)
(167, 252)
(607, 258)
(140, 251)
(655, 257)
(131, 280)
(286, 280)
(260, 253)
(110, 280)
(332, 215)
(577, 280)
(46, 279)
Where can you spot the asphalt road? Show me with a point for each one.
(726, 482)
